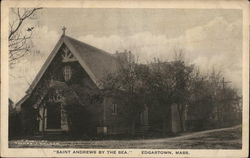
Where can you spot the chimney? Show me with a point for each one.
(125, 56)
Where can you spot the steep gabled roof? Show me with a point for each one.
(96, 62)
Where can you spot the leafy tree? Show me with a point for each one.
(168, 84)
(182, 77)
(212, 103)
(200, 104)
(128, 82)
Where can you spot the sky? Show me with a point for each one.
(209, 38)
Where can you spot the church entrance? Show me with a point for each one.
(54, 116)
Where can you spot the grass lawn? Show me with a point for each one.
(227, 138)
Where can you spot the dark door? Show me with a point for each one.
(54, 116)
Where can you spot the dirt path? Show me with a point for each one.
(199, 134)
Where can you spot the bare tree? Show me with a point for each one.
(20, 35)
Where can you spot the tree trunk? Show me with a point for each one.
(166, 121)
(180, 111)
(164, 126)
(133, 127)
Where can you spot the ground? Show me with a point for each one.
(226, 138)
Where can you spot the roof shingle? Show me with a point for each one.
(98, 61)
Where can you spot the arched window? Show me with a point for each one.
(67, 73)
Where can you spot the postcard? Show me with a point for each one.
(124, 78)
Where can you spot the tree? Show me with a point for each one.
(160, 86)
(212, 103)
(182, 78)
(157, 85)
(128, 82)
(19, 33)
(201, 102)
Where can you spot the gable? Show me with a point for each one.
(98, 61)
(55, 73)
(95, 62)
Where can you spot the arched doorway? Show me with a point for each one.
(54, 116)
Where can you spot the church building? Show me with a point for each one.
(67, 94)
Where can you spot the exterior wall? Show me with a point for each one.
(99, 115)
(82, 86)
(116, 123)
(89, 98)
(28, 118)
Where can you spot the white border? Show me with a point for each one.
(243, 5)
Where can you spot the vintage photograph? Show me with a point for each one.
(125, 78)
(143, 78)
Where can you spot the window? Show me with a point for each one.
(67, 73)
(114, 109)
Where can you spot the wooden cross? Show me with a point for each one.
(64, 29)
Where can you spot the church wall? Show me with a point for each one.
(97, 111)
(28, 118)
(80, 83)
(89, 97)
(114, 119)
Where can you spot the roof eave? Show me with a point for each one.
(63, 40)
(45, 66)
(82, 63)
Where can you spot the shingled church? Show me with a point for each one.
(69, 84)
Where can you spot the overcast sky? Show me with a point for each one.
(209, 38)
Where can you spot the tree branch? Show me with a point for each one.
(18, 38)
(25, 16)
